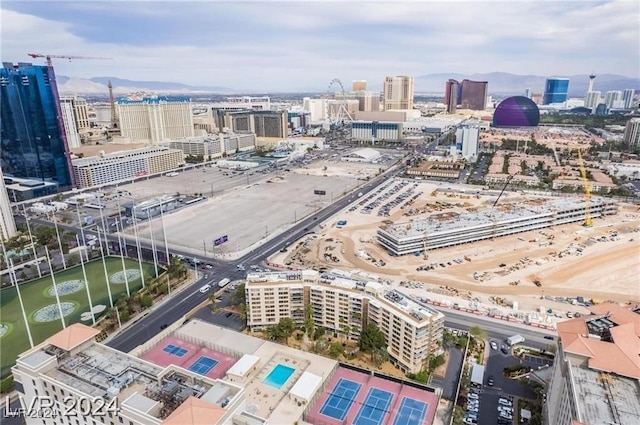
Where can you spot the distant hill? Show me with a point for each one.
(502, 83)
(98, 85)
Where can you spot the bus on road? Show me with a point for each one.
(224, 282)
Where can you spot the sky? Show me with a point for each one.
(303, 45)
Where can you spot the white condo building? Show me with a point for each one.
(398, 93)
(69, 121)
(592, 99)
(632, 133)
(627, 98)
(467, 142)
(155, 118)
(317, 108)
(613, 99)
(7, 223)
(114, 167)
(343, 305)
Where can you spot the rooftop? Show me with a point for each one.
(443, 223)
(605, 399)
(609, 338)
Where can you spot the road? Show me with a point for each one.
(148, 326)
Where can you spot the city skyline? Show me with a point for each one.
(296, 46)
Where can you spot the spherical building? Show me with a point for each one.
(516, 111)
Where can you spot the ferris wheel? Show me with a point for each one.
(337, 112)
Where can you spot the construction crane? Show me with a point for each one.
(56, 98)
(587, 191)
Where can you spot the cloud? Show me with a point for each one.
(265, 45)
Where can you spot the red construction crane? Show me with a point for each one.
(54, 89)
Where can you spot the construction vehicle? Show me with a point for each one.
(587, 191)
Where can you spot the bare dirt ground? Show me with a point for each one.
(571, 261)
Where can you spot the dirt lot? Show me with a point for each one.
(505, 267)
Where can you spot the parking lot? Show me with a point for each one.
(491, 410)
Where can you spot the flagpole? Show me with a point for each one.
(164, 234)
(104, 265)
(12, 272)
(135, 230)
(33, 245)
(81, 227)
(121, 239)
(86, 285)
(153, 244)
(55, 223)
(55, 288)
(104, 229)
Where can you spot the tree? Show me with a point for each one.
(478, 333)
(238, 297)
(287, 326)
(379, 356)
(336, 349)
(371, 338)
(146, 301)
(176, 268)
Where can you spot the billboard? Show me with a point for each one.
(220, 240)
(319, 192)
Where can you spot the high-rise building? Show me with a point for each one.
(595, 374)
(262, 123)
(473, 95)
(69, 120)
(528, 93)
(632, 133)
(555, 90)
(592, 99)
(627, 97)
(398, 93)
(7, 224)
(359, 85)
(613, 98)
(467, 142)
(152, 118)
(451, 96)
(33, 143)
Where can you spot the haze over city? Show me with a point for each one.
(287, 46)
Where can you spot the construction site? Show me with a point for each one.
(523, 252)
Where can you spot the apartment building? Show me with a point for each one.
(343, 305)
(109, 168)
(75, 117)
(73, 380)
(150, 118)
(596, 373)
(214, 146)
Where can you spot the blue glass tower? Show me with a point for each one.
(555, 90)
(31, 144)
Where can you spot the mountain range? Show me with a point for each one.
(500, 83)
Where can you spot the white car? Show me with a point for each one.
(494, 345)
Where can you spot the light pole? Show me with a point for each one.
(55, 288)
(33, 245)
(81, 227)
(104, 265)
(153, 243)
(86, 285)
(12, 272)
(55, 223)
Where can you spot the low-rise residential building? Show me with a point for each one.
(343, 306)
(109, 168)
(596, 372)
(517, 179)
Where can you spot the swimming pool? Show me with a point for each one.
(278, 376)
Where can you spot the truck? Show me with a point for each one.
(515, 339)
(224, 282)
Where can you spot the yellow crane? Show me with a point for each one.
(587, 191)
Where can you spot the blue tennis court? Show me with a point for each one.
(411, 412)
(340, 400)
(203, 365)
(374, 408)
(175, 350)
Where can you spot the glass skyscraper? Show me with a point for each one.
(555, 90)
(32, 144)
